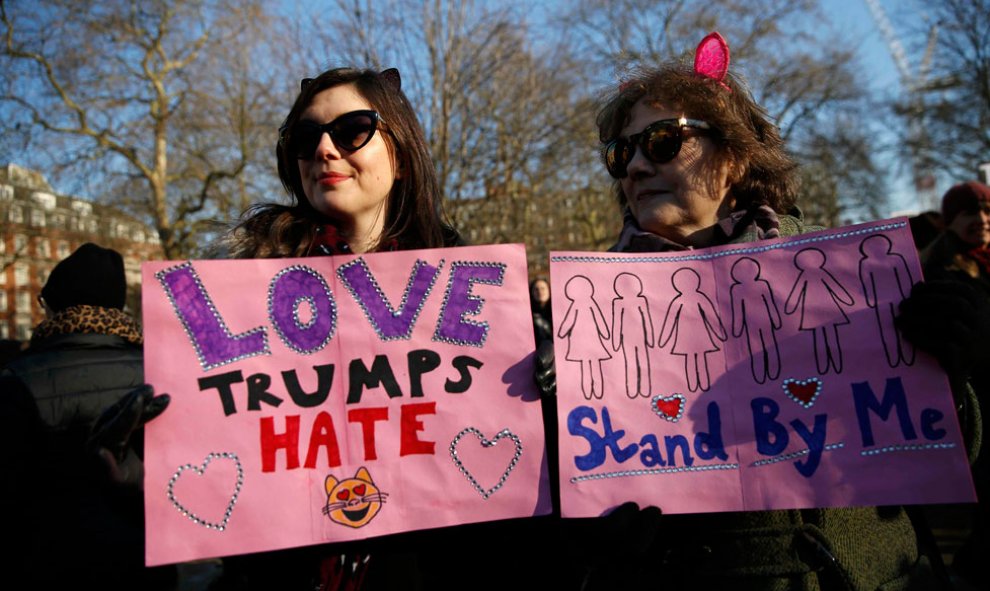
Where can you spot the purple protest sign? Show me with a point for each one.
(769, 375)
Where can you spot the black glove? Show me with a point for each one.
(624, 538)
(546, 374)
(118, 422)
(951, 321)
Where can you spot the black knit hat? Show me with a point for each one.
(92, 276)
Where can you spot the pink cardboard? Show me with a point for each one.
(750, 377)
(300, 416)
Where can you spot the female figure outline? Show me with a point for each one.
(754, 311)
(820, 297)
(584, 326)
(886, 281)
(632, 331)
(694, 325)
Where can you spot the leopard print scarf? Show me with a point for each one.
(89, 320)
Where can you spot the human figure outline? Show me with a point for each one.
(886, 280)
(632, 331)
(819, 297)
(584, 326)
(755, 313)
(694, 326)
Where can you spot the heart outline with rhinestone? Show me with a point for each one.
(200, 471)
(798, 390)
(663, 413)
(504, 433)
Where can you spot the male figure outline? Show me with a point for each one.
(632, 331)
(754, 311)
(886, 281)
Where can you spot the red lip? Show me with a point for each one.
(331, 178)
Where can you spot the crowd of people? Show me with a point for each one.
(696, 163)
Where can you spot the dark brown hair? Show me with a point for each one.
(414, 216)
(746, 140)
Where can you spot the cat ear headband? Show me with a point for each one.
(711, 58)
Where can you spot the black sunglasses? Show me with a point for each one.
(350, 132)
(660, 143)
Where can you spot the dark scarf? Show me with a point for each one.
(89, 320)
(328, 241)
(759, 222)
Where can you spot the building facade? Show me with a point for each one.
(39, 227)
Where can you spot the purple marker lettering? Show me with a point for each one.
(459, 302)
(387, 322)
(214, 344)
(289, 289)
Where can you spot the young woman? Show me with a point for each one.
(353, 156)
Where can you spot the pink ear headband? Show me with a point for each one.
(711, 59)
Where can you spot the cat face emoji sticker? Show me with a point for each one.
(353, 501)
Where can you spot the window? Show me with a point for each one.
(37, 218)
(6, 193)
(23, 302)
(43, 274)
(82, 207)
(4, 330)
(43, 248)
(3, 301)
(45, 200)
(15, 215)
(20, 274)
(63, 249)
(58, 221)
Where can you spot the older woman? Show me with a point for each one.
(698, 163)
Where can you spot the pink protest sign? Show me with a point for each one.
(761, 376)
(334, 398)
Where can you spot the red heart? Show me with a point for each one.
(359, 490)
(669, 407)
(344, 494)
(803, 392)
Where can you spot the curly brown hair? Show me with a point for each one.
(414, 216)
(746, 140)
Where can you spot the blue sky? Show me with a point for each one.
(853, 18)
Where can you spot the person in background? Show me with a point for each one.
(961, 250)
(87, 353)
(72, 403)
(957, 292)
(539, 299)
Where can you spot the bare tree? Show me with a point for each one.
(955, 107)
(165, 105)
